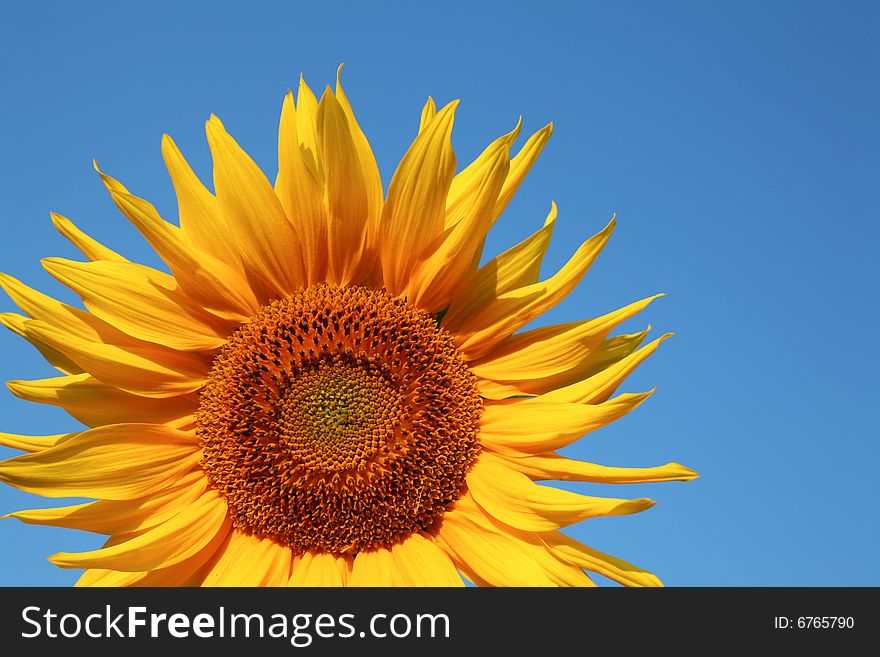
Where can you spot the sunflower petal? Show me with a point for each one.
(167, 544)
(413, 213)
(516, 267)
(520, 165)
(90, 248)
(419, 562)
(429, 111)
(532, 425)
(307, 129)
(250, 561)
(320, 569)
(578, 554)
(204, 278)
(268, 241)
(141, 302)
(121, 516)
(599, 387)
(551, 350)
(95, 404)
(374, 568)
(118, 462)
(447, 261)
(516, 500)
(512, 310)
(345, 192)
(467, 183)
(301, 195)
(154, 371)
(18, 325)
(33, 443)
(557, 467)
(369, 167)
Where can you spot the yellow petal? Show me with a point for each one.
(515, 268)
(121, 516)
(250, 561)
(320, 569)
(372, 179)
(91, 248)
(301, 195)
(267, 240)
(345, 192)
(141, 302)
(153, 371)
(445, 263)
(307, 129)
(117, 462)
(95, 404)
(531, 425)
(578, 554)
(204, 278)
(414, 212)
(429, 111)
(550, 350)
(167, 544)
(516, 500)
(419, 562)
(520, 166)
(599, 387)
(73, 321)
(512, 310)
(554, 466)
(374, 568)
(490, 556)
(33, 443)
(188, 572)
(469, 180)
(18, 325)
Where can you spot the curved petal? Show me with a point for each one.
(301, 195)
(121, 516)
(599, 387)
(532, 425)
(345, 193)
(141, 302)
(167, 544)
(516, 500)
(95, 404)
(551, 350)
(268, 242)
(90, 248)
(445, 262)
(414, 211)
(18, 325)
(578, 554)
(153, 371)
(515, 268)
(205, 279)
(554, 466)
(513, 310)
(490, 554)
(118, 462)
(33, 443)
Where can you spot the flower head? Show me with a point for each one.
(327, 388)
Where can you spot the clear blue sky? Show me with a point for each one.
(737, 142)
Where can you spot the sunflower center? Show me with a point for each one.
(338, 419)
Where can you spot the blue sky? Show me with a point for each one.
(736, 141)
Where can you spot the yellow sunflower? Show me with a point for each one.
(327, 388)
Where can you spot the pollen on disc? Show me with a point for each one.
(338, 419)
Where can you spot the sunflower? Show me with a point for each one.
(326, 388)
